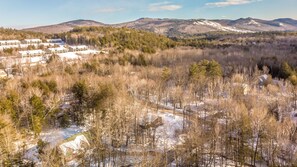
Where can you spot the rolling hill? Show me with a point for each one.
(64, 27)
(180, 27)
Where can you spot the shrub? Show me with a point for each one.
(46, 86)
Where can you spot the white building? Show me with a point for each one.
(29, 53)
(9, 42)
(32, 41)
(78, 48)
(25, 46)
(47, 44)
(57, 41)
(68, 56)
(88, 52)
(9, 47)
(32, 61)
(60, 49)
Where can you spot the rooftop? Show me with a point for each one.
(31, 52)
(68, 56)
(57, 49)
(54, 40)
(9, 41)
(32, 40)
(78, 47)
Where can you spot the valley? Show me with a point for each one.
(150, 92)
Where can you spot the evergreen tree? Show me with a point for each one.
(80, 91)
(166, 73)
(293, 79)
(287, 70)
(205, 68)
(38, 113)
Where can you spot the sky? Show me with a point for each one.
(31, 13)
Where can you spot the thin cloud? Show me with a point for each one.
(164, 6)
(230, 3)
(108, 10)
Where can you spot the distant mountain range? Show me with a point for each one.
(179, 27)
(64, 27)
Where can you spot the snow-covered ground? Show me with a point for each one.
(75, 145)
(166, 134)
(53, 137)
(195, 107)
(218, 162)
(253, 22)
(220, 27)
(57, 135)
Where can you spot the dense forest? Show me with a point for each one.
(221, 100)
(120, 38)
(9, 34)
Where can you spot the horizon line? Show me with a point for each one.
(21, 27)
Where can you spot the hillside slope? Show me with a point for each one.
(65, 27)
(120, 38)
(180, 27)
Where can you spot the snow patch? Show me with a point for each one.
(56, 135)
(281, 24)
(253, 22)
(220, 27)
(75, 145)
(166, 133)
(53, 137)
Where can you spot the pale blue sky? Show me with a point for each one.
(27, 13)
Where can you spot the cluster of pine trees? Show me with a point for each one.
(120, 38)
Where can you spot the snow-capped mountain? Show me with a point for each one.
(181, 27)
